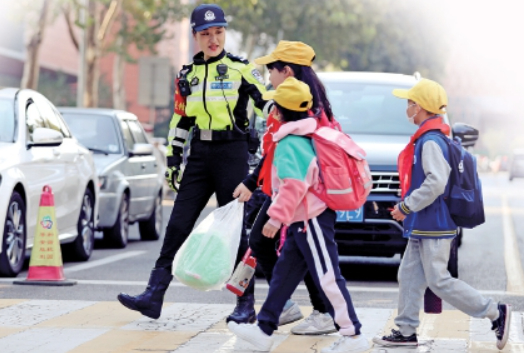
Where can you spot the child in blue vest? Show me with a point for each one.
(309, 241)
(424, 170)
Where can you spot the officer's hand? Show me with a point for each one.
(172, 177)
(242, 192)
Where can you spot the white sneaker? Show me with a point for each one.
(290, 314)
(348, 344)
(315, 324)
(252, 334)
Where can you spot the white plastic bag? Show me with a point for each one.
(206, 259)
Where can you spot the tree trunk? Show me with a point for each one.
(32, 66)
(102, 21)
(92, 55)
(119, 93)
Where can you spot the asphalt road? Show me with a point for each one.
(490, 259)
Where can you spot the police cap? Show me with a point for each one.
(207, 15)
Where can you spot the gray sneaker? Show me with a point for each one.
(290, 314)
(315, 324)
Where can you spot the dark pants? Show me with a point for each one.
(314, 251)
(213, 167)
(264, 249)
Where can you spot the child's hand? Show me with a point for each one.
(397, 215)
(269, 230)
(242, 192)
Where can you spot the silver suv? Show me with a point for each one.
(130, 171)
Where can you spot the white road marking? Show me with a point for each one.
(514, 272)
(265, 286)
(49, 340)
(32, 312)
(103, 261)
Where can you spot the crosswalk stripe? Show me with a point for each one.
(84, 327)
(263, 285)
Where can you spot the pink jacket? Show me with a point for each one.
(294, 172)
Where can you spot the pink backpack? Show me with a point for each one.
(345, 178)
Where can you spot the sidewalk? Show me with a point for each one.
(48, 326)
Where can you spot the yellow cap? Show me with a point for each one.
(289, 52)
(428, 94)
(291, 94)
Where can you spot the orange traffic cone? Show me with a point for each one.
(45, 266)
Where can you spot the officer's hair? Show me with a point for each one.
(307, 75)
(287, 115)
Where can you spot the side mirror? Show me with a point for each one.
(44, 137)
(467, 134)
(142, 149)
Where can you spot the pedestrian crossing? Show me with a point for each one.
(60, 326)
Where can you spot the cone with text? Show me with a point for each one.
(45, 266)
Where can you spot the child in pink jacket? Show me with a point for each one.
(309, 244)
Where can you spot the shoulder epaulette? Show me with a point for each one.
(237, 58)
(185, 70)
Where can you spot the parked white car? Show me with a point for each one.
(37, 149)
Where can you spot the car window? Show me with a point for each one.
(7, 121)
(97, 132)
(368, 108)
(63, 125)
(137, 132)
(34, 119)
(128, 137)
(47, 112)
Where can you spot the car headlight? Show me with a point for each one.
(102, 182)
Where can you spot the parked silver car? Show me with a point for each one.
(130, 171)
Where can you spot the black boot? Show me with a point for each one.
(244, 311)
(150, 302)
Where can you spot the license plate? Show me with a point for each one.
(351, 216)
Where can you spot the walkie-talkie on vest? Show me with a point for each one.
(242, 274)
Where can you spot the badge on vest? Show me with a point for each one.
(194, 81)
(256, 74)
(221, 85)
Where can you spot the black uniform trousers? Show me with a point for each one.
(264, 249)
(212, 167)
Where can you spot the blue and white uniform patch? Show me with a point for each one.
(221, 85)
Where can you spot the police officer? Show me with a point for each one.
(211, 97)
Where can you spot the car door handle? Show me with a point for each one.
(143, 166)
(56, 152)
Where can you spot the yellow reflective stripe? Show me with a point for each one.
(230, 99)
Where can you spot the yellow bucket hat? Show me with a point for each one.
(428, 94)
(291, 94)
(289, 52)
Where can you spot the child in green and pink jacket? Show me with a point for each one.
(308, 226)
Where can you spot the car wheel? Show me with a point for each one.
(118, 234)
(12, 256)
(82, 247)
(152, 227)
(453, 259)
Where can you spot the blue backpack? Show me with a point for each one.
(464, 201)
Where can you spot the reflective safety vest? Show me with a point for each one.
(206, 107)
